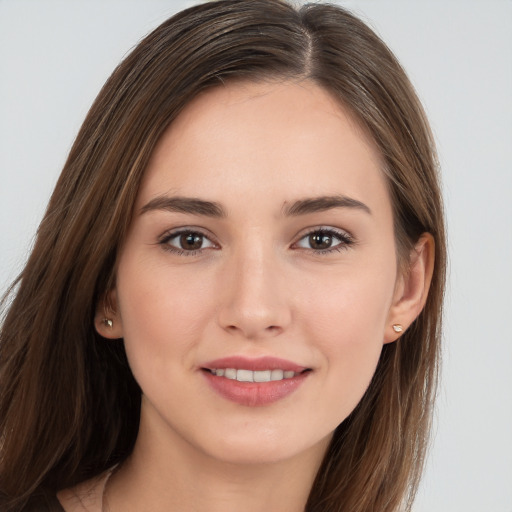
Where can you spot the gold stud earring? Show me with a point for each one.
(397, 328)
(108, 322)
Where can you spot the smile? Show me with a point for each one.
(242, 375)
(254, 382)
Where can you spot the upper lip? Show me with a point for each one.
(254, 364)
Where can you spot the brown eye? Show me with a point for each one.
(186, 242)
(325, 240)
(320, 241)
(191, 241)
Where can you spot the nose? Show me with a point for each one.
(254, 302)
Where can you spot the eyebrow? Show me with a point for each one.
(323, 203)
(184, 205)
(197, 206)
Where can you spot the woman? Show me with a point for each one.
(234, 299)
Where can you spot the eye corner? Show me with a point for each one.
(325, 235)
(190, 241)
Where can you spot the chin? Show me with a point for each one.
(264, 447)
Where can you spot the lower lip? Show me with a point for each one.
(254, 394)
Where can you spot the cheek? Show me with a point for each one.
(351, 303)
(163, 315)
(346, 321)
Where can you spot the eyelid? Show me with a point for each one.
(176, 232)
(345, 237)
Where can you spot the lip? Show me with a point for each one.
(254, 394)
(254, 364)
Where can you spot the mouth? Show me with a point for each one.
(245, 375)
(254, 382)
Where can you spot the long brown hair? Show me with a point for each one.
(69, 406)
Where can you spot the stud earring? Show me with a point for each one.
(108, 322)
(397, 328)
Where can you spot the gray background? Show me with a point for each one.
(56, 54)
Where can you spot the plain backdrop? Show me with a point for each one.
(56, 54)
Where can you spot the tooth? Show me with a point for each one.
(230, 373)
(276, 375)
(245, 375)
(262, 376)
(250, 376)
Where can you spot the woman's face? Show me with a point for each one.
(261, 249)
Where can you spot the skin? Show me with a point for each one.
(256, 287)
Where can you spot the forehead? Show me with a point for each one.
(282, 140)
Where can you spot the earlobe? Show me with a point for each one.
(412, 290)
(107, 320)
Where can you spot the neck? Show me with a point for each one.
(171, 475)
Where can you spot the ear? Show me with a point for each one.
(107, 320)
(411, 290)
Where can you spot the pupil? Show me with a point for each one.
(191, 241)
(320, 241)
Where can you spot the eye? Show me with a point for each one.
(324, 240)
(186, 242)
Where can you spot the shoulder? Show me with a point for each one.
(84, 497)
(87, 496)
(43, 501)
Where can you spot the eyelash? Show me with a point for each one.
(345, 241)
(164, 242)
